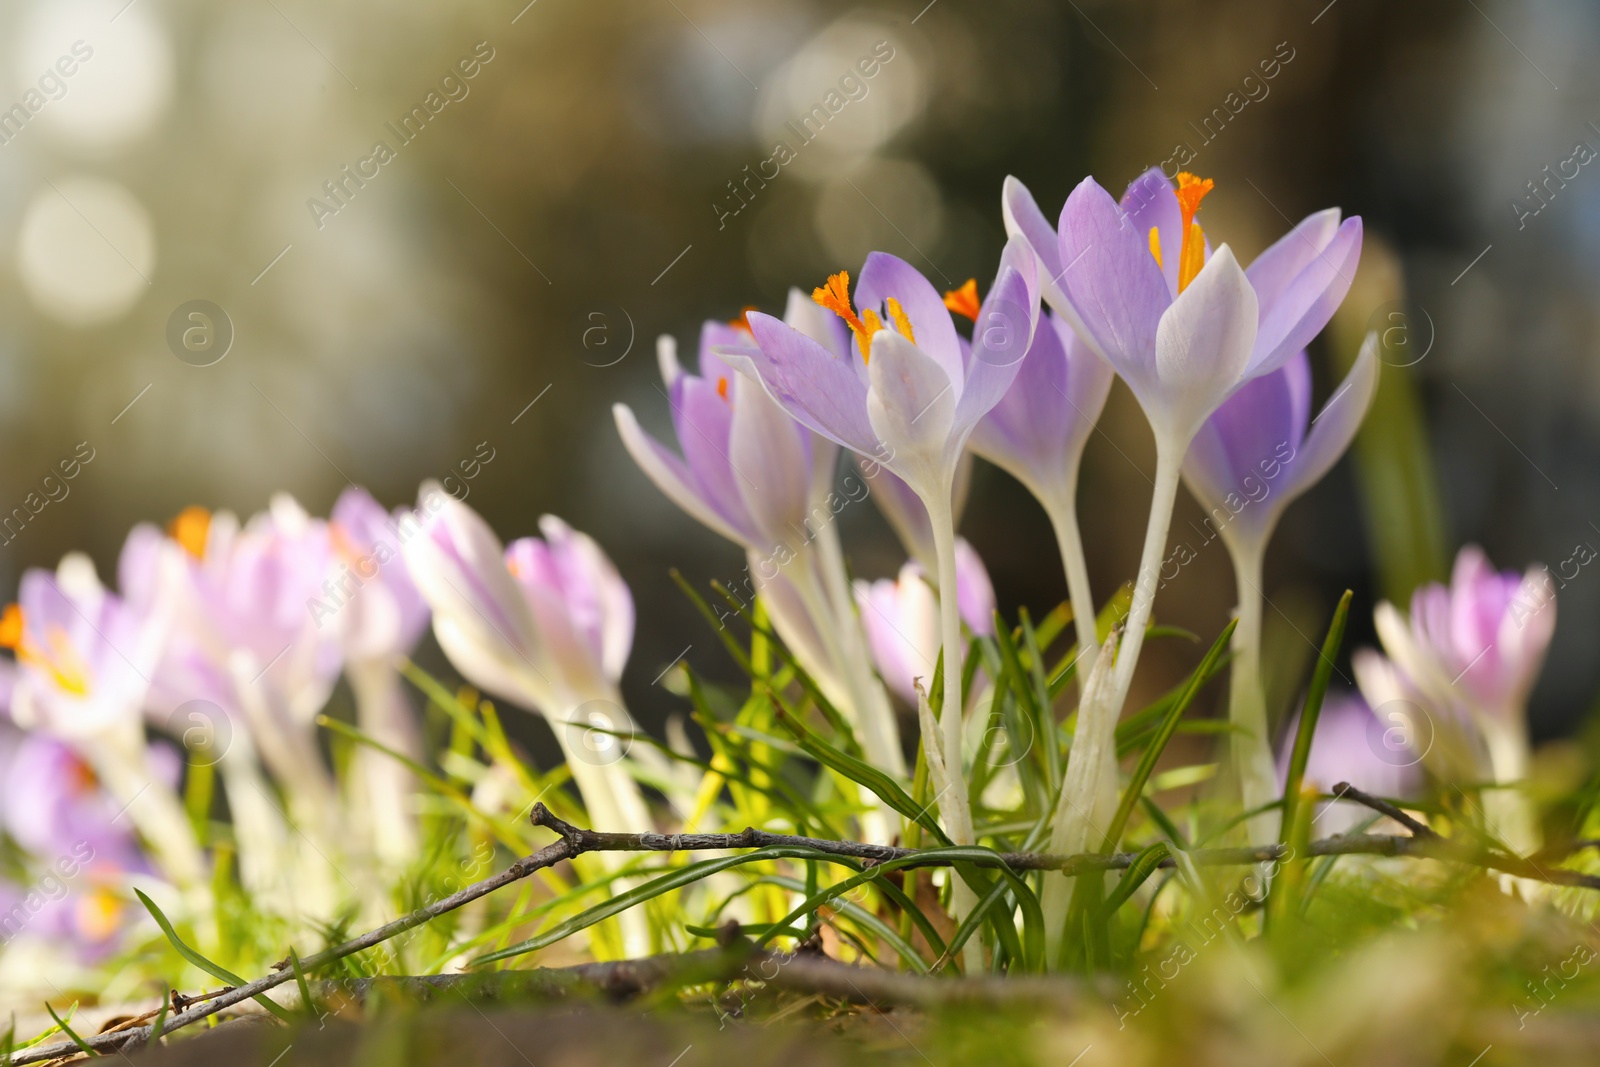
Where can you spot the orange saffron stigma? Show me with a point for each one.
(722, 387)
(964, 301)
(835, 296)
(190, 528)
(1192, 256)
(743, 321)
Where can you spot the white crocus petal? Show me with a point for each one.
(911, 405)
(668, 473)
(667, 359)
(770, 462)
(1203, 344)
(1408, 656)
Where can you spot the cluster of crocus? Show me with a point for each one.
(1456, 679)
(1213, 352)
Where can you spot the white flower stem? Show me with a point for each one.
(1062, 508)
(384, 786)
(1247, 702)
(881, 733)
(953, 799)
(1169, 465)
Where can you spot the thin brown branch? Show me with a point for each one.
(869, 983)
(1346, 791)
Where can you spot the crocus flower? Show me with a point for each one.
(380, 618)
(908, 396)
(1183, 326)
(1471, 652)
(753, 474)
(1351, 745)
(1256, 453)
(1037, 433)
(901, 618)
(546, 624)
(84, 662)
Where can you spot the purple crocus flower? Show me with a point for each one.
(1181, 324)
(901, 618)
(1350, 745)
(1256, 453)
(908, 396)
(380, 617)
(1262, 449)
(1037, 433)
(1469, 655)
(546, 624)
(84, 660)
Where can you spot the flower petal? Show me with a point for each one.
(819, 390)
(670, 475)
(912, 406)
(884, 276)
(1001, 335)
(1336, 424)
(1151, 203)
(771, 449)
(1202, 347)
(1304, 302)
(1110, 279)
(705, 423)
(1023, 217)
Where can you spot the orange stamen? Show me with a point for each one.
(835, 296)
(722, 387)
(11, 623)
(743, 321)
(190, 528)
(1192, 256)
(964, 301)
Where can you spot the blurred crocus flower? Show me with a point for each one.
(85, 658)
(901, 617)
(1351, 745)
(380, 617)
(1037, 433)
(1256, 454)
(1470, 652)
(908, 396)
(248, 665)
(546, 624)
(753, 474)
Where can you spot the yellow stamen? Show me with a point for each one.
(1155, 246)
(61, 662)
(964, 301)
(99, 914)
(1192, 257)
(835, 296)
(190, 528)
(902, 324)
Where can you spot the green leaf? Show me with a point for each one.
(1320, 677)
(306, 1003)
(1152, 752)
(214, 970)
(864, 918)
(1144, 865)
(861, 773)
(161, 1021)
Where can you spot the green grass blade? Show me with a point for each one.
(1312, 710)
(71, 1034)
(214, 970)
(1152, 752)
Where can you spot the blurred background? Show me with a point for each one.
(495, 278)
